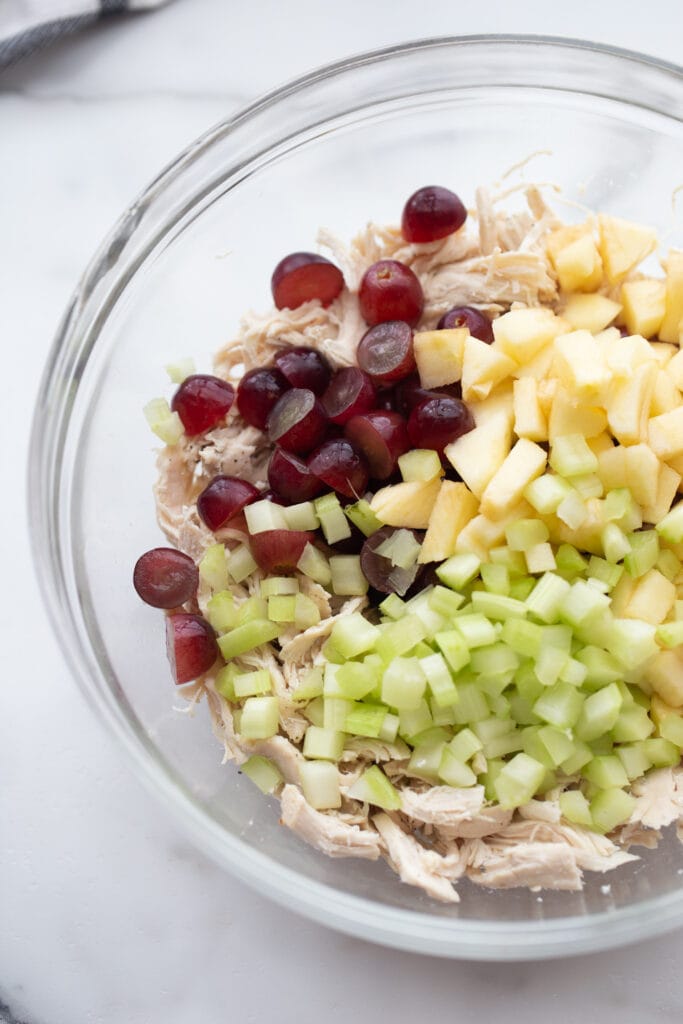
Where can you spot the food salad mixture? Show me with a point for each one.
(426, 560)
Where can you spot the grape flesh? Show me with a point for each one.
(190, 645)
(439, 421)
(290, 478)
(476, 322)
(385, 351)
(389, 290)
(297, 422)
(339, 465)
(257, 393)
(165, 578)
(304, 368)
(432, 212)
(379, 571)
(305, 276)
(350, 392)
(279, 550)
(382, 437)
(202, 402)
(224, 498)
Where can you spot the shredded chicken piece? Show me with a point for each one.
(418, 866)
(299, 646)
(284, 754)
(539, 865)
(659, 798)
(375, 750)
(328, 832)
(456, 813)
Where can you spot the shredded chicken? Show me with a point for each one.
(416, 865)
(327, 831)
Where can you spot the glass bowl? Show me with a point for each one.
(335, 148)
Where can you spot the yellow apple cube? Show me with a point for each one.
(439, 356)
(522, 333)
(665, 394)
(547, 389)
(600, 443)
(663, 352)
(665, 675)
(668, 483)
(455, 506)
(621, 595)
(675, 370)
(628, 404)
(676, 463)
(483, 533)
(525, 462)
(499, 402)
(407, 504)
(587, 536)
(477, 455)
(652, 599)
(673, 304)
(666, 433)
(539, 366)
(578, 265)
(483, 367)
(623, 356)
(530, 420)
(642, 473)
(579, 364)
(623, 245)
(643, 303)
(590, 312)
(567, 416)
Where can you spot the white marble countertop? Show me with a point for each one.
(107, 915)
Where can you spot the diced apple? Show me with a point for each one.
(600, 443)
(665, 675)
(673, 305)
(547, 389)
(578, 265)
(530, 420)
(666, 433)
(676, 463)
(665, 394)
(628, 404)
(483, 367)
(525, 462)
(439, 355)
(652, 599)
(483, 533)
(590, 312)
(675, 370)
(663, 352)
(477, 455)
(579, 365)
(643, 303)
(522, 333)
(500, 401)
(623, 245)
(635, 467)
(668, 483)
(538, 367)
(587, 536)
(623, 356)
(455, 506)
(407, 504)
(622, 594)
(567, 416)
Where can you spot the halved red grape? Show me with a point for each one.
(438, 421)
(304, 368)
(409, 393)
(165, 577)
(389, 290)
(257, 393)
(386, 351)
(290, 477)
(297, 421)
(476, 322)
(350, 392)
(432, 212)
(338, 464)
(381, 437)
(202, 401)
(190, 645)
(304, 276)
(223, 498)
(380, 572)
(279, 550)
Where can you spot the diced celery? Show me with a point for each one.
(362, 516)
(225, 682)
(662, 753)
(527, 683)
(335, 712)
(617, 505)
(668, 564)
(355, 680)
(518, 781)
(492, 728)
(397, 638)
(572, 511)
(632, 642)
(282, 608)
(476, 630)
(180, 369)
(221, 611)
(403, 684)
(561, 705)
(440, 680)
(247, 637)
(277, 586)
(526, 533)
(260, 718)
(570, 563)
(314, 565)
(373, 787)
(445, 602)
(670, 634)
(434, 734)
(500, 746)
(213, 567)
(643, 554)
(599, 713)
(306, 612)
(366, 720)
(570, 456)
(335, 525)
(454, 772)
(265, 515)
(633, 724)
(521, 710)
(601, 667)
(454, 649)
(575, 808)
(671, 526)
(347, 576)
(301, 517)
(167, 425)
(582, 602)
(615, 543)
(389, 729)
(606, 772)
(611, 807)
(393, 607)
(523, 637)
(671, 728)
(634, 760)
(545, 600)
(522, 587)
(496, 660)
(588, 486)
(459, 570)
(496, 578)
(320, 784)
(421, 607)
(514, 561)
(574, 763)
(241, 563)
(489, 775)
(400, 548)
(420, 464)
(262, 772)
(550, 664)
(323, 744)
(251, 609)
(310, 685)
(425, 761)
(574, 672)
(557, 743)
(441, 716)
(315, 711)
(472, 705)
(354, 634)
(252, 684)
(331, 654)
(495, 606)
(465, 744)
(605, 571)
(546, 493)
(602, 746)
(414, 721)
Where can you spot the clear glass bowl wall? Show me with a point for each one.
(338, 148)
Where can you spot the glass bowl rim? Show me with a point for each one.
(354, 915)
